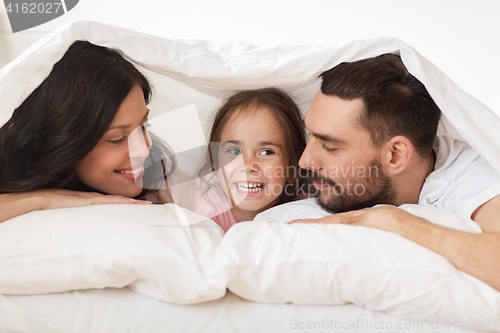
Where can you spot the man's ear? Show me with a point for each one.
(397, 154)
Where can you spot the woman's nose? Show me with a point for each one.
(139, 143)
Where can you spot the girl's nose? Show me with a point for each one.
(250, 164)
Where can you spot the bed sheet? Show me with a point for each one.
(122, 310)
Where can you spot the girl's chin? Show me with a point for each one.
(249, 206)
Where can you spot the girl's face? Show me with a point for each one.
(115, 164)
(253, 162)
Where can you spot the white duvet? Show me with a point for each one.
(173, 255)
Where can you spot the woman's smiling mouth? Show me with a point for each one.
(131, 174)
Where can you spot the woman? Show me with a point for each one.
(81, 138)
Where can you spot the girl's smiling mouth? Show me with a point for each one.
(249, 187)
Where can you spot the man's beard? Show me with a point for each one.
(376, 190)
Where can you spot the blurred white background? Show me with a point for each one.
(461, 37)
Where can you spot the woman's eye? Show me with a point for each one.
(266, 152)
(145, 127)
(234, 151)
(122, 139)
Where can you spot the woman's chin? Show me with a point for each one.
(130, 192)
(133, 190)
(135, 193)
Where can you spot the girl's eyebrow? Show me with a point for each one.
(267, 143)
(262, 143)
(125, 126)
(234, 142)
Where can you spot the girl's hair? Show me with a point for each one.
(289, 116)
(65, 117)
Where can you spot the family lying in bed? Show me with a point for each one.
(81, 138)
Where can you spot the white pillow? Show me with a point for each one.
(164, 252)
(338, 264)
(309, 209)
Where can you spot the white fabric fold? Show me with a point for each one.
(223, 66)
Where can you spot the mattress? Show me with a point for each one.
(122, 310)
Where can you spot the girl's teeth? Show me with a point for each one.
(132, 172)
(255, 187)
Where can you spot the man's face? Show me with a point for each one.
(347, 166)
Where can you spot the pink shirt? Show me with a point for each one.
(214, 204)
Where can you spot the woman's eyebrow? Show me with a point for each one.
(125, 126)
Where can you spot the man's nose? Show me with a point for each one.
(309, 159)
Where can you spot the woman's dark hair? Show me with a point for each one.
(284, 109)
(65, 117)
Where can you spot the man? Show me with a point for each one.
(373, 141)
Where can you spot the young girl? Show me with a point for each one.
(256, 141)
(81, 138)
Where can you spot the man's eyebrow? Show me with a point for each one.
(125, 126)
(324, 137)
(328, 138)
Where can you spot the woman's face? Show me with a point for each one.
(115, 164)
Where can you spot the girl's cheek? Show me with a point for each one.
(275, 170)
(272, 171)
(222, 180)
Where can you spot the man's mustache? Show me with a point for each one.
(322, 180)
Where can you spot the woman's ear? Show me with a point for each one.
(397, 154)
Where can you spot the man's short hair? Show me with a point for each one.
(395, 102)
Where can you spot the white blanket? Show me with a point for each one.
(213, 70)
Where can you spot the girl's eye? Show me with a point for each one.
(234, 151)
(122, 139)
(329, 149)
(266, 152)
